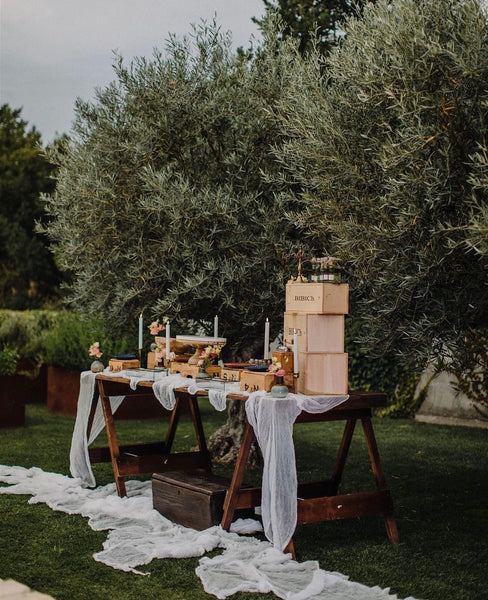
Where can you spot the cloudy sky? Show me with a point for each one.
(53, 51)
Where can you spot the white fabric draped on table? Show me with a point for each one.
(163, 387)
(271, 418)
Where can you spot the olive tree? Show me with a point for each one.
(162, 202)
(166, 200)
(388, 141)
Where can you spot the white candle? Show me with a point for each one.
(266, 339)
(168, 341)
(295, 351)
(216, 327)
(141, 323)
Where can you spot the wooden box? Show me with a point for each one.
(230, 374)
(252, 381)
(322, 373)
(285, 359)
(315, 333)
(318, 298)
(193, 499)
(151, 360)
(115, 365)
(186, 370)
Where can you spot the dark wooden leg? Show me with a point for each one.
(93, 408)
(113, 445)
(342, 456)
(374, 457)
(230, 501)
(173, 423)
(199, 432)
(290, 548)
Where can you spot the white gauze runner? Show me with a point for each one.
(80, 466)
(139, 534)
(272, 420)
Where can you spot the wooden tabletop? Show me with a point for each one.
(357, 399)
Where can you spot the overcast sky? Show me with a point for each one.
(53, 51)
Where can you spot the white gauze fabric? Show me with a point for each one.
(80, 466)
(139, 534)
(272, 420)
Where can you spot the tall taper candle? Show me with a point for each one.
(216, 326)
(168, 342)
(295, 351)
(266, 339)
(141, 323)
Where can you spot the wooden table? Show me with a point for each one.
(317, 501)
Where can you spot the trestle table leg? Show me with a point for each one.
(231, 497)
(374, 457)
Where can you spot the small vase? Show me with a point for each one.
(97, 366)
(279, 390)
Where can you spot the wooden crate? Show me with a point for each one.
(115, 365)
(285, 359)
(186, 370)
(317, 298)
(315, 333)
(252, 381)
(193, 499)
(151, 360)
(323, 373)
(230, 374)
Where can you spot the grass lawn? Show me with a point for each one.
(438, 476)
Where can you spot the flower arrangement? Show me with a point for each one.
(275, 368)
(160, 353)
(94, 350)
(209, 356)
(156, 327)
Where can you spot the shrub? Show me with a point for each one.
(66, 343)
(21, 332)
(8, 361)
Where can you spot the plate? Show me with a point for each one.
(258, 368)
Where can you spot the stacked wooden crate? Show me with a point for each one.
(316, 312)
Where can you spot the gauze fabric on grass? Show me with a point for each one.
(139, 534)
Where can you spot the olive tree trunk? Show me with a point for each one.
(225, 442)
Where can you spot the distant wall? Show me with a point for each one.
(444, 405)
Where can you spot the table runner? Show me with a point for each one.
(138, 534)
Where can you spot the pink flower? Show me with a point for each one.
(155, 328)
(280, 373)
(94, 350)
(274, 366)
